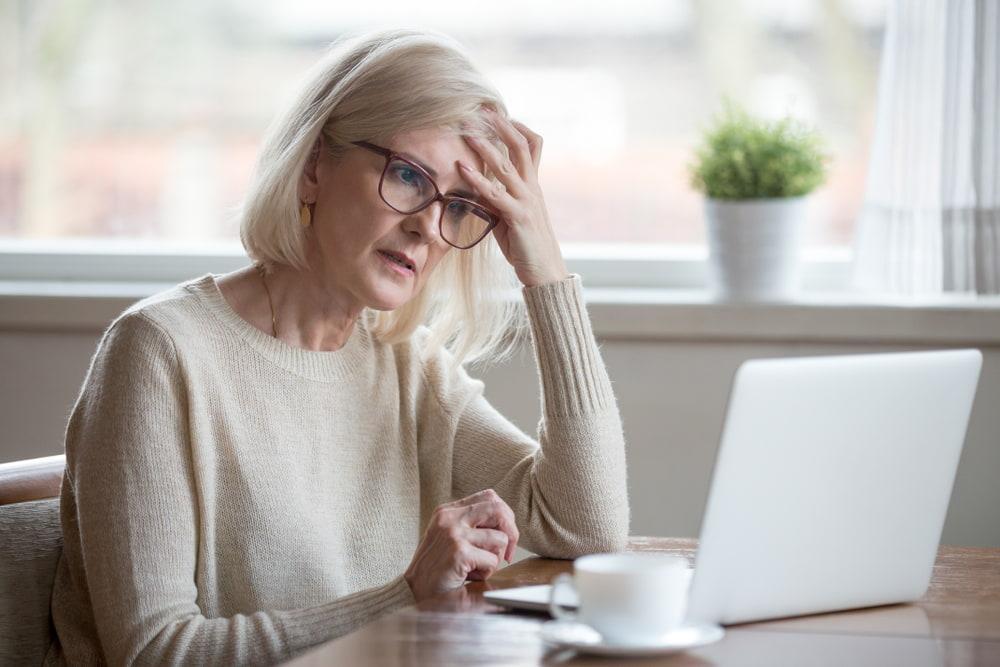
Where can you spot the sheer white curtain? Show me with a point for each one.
(931, 218)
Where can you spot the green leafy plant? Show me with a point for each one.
(743, 157)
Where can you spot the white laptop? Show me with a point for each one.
(830, 488)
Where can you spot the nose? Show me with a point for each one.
(424, 222)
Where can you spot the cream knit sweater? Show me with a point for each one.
(230, 499)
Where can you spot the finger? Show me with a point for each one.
(473, 560)
(495, 514)
(501, 166)
(534, 141)
(448, 514)
(491, 513)
(493, 193)
(488, 539)
(516, 141)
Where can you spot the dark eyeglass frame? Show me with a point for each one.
(491, 218)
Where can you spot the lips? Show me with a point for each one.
(400, 258)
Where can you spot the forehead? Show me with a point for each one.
(436, 148)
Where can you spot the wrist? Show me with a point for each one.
(536, 281)
(543, 272)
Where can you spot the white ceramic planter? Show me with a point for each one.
(754, 248)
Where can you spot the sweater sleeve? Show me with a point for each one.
(130, 519)
(568, 489)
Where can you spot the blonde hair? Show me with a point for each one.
(370, 88)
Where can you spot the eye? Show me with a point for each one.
(407, 175)
(458, 209)
(462, 213)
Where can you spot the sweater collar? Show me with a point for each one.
(320, 366)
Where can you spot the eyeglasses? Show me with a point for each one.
(407, 188)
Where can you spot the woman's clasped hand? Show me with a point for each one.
(465, 539)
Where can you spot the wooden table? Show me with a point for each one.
(956, 623)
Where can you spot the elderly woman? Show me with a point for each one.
(262, 461)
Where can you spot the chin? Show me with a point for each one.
(386, 307)
(387, 300)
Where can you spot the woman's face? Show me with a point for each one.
(353, 229)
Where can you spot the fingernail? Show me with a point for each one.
(464, 166)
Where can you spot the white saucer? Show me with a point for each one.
(585, 639)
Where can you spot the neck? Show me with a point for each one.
(311, 313)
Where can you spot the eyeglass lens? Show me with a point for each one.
(407, 189)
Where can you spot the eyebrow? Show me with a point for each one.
(465, 194)
(413, 159)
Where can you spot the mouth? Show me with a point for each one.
(399, 261)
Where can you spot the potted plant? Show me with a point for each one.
(756, 175)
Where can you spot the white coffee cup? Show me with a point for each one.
(629, 598)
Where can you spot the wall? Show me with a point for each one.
(672, 362)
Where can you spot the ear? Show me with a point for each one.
(308, 180)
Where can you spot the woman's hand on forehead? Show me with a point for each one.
(525, 235)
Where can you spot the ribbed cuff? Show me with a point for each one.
(308, 627)
(574, 380)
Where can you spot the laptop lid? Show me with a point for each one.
(831, 483)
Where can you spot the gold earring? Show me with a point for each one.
(305, 216)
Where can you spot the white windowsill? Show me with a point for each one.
(617, 314)
(638, 292)
(604, 265)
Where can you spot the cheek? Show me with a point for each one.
(351, 229)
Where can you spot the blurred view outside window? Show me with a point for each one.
(141, 120)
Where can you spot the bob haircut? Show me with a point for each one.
(371, 88)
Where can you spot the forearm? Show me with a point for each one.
(579, 500)
(141, 560)
(574, 381)
(264, 637)
(570, 494)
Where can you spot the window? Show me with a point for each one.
(123, 120)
